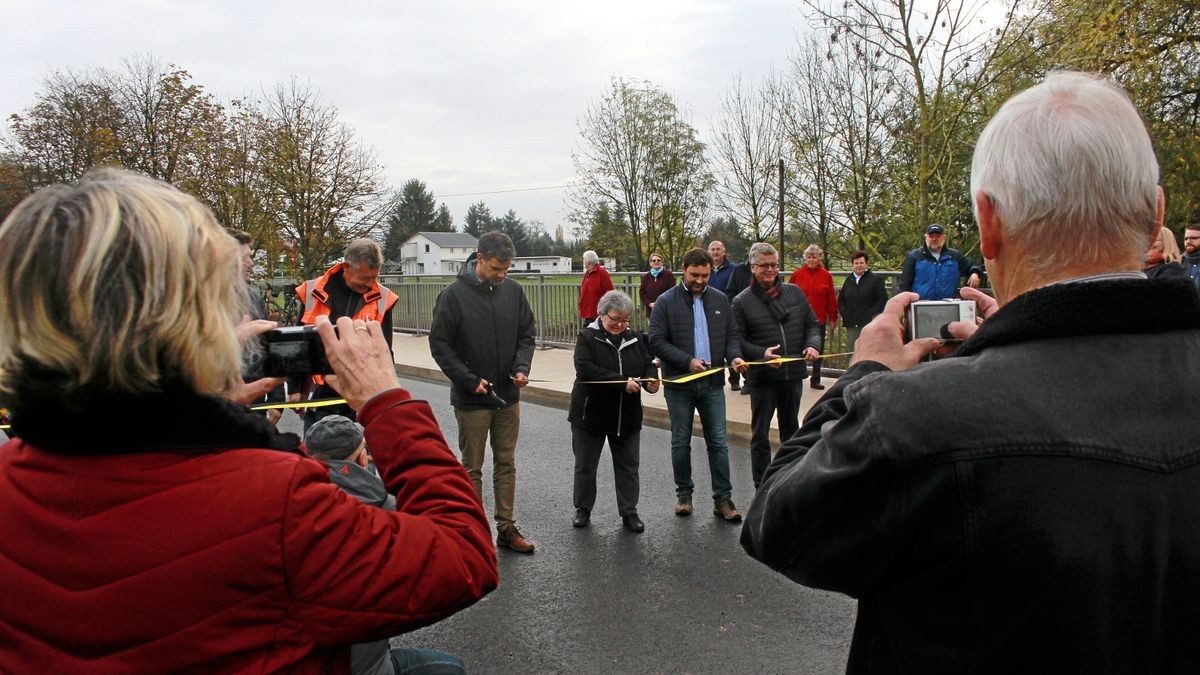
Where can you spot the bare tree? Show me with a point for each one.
(325, 185)
(805, 104)
(940, 54)
(747, 143)
(638, 154)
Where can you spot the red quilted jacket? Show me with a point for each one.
(193, 556)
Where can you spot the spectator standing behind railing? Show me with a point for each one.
(198, 539)
(655, 282)
(608, 351)
(1191, 252)
(862, 298)
(817, 284)
(1162, 260)
(933, 271)
(596, 282)
(1046, 520)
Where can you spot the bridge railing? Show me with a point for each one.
(554, 300)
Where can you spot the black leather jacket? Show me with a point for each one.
(1018, 508)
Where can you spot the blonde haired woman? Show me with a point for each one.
(152, 524)
(1162, 260)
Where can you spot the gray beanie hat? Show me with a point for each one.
(333, 437)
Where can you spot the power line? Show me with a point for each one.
(498, 192)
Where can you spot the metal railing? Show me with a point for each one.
(554, 299)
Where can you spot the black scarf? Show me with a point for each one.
(770, 297)
(173, 420)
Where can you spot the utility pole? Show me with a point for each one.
(782, 250)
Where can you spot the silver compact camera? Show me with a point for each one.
(926, 317)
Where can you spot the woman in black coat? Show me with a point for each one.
(607, 351)
(1162, 260)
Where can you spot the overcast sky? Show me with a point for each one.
(470, 97)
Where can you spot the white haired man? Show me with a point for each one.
(1047, 521)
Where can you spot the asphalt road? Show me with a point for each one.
(682, 597)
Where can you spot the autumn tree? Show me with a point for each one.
(942, 57)
(638, 154)
(324, 184)
(747, 144)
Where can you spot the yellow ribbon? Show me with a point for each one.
(319, 403)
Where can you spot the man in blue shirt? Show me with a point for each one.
(692, 331)
(934, 270)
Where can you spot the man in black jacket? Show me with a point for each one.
(1046, 521)
(482, 339)
(774, 319)
(692, 331)
(862, 297)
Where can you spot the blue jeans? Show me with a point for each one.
(682, 404)
(411, 661)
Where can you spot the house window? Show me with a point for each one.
(427, 248)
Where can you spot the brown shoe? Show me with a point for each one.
(512, 538)
(684, 507)
(724, 508)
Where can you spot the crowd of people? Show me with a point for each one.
(1008, 508)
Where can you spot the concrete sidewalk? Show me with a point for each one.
(554, 374)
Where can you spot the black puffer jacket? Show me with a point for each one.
(608, 408)
(481, 331)
(672, 336)
(758, 330)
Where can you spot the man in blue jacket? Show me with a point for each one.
(933, 271)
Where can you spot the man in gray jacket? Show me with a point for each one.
(692, 331)
(1017, 507)
(482, 339)
(774, 319)
(339, 443)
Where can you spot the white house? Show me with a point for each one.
(541, 263)
(436, 252)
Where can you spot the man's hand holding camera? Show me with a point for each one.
(882, 340)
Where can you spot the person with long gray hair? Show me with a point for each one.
(154, 523)
(1017, 508)
(611, 364)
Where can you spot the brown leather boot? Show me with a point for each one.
(510, 537)
(724, 508)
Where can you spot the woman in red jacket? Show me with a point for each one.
(817, 284)
(153, 524)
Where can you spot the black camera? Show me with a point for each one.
(294, 350)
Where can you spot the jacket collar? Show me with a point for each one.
(1118, 306)
(174, 419)
(339, 270)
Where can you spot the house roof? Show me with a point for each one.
(445, 239)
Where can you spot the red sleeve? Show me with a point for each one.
(795, 278)
(358, 573)
(606, 284)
